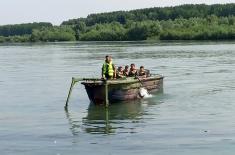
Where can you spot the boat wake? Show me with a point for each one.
(144, 93)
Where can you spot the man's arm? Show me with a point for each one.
(102, 72)
(115, 72)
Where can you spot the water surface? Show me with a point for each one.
(194, 114)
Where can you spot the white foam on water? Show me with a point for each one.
(144, 93)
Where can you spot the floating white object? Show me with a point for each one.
(144, 93)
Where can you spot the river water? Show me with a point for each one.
(195, 114)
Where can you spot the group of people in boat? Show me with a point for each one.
(109, 71)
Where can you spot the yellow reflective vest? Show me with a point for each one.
(108, 68)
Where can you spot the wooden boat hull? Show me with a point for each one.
(121, 89)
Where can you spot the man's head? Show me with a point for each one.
(132, 66)
(126, 67)
(120, 68)
(141, 68)
(108, 58)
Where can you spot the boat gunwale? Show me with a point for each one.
(120, 81)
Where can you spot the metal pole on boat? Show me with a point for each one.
(106, 94)
(107, 127)
(70, 91)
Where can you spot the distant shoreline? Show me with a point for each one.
(160, 42)
(185, 22)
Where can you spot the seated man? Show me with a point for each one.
(120, 72)
(133, 71)
(126, 70)
(142, 72)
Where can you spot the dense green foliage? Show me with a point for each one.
(186, 22)
(53, 34)
(21, 29)
(45, 34)
(166, 13)
(209, 28)
(116, 31)
(22, 38)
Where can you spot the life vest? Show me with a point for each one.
(108, 68)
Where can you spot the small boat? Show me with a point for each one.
(106, 91)
(121, 89)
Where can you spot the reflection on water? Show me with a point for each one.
(107, 120)
(111, 120)
(101, 120)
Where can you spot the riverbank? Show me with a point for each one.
(186, 22)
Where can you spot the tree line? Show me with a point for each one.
(158, 13)
(185, 22)
(35, 32)
(195, 28)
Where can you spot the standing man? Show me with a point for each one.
(108, 68)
